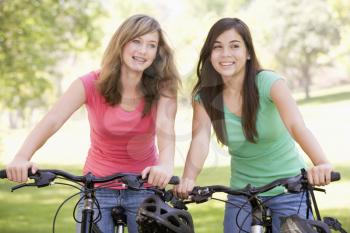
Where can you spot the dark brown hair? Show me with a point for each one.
(210, 85)
(160, 78)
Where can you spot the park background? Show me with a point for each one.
(45, 45)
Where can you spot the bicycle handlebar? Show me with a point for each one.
(45, 176)
(297, 183)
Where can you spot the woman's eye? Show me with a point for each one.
(136, 41)
(217, 47)
(152, 46)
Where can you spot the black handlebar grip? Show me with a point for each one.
(3, 174)
(335, 176)
(174, 180)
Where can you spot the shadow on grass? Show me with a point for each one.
(326, 98)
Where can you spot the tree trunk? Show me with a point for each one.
(306, 80)
(13, 120)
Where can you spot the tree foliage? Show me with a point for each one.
(34, 36)
(341, 11)
(301, 37)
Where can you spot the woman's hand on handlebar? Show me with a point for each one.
(184, 188)
(17, 170)
(158, 175)
(320, 175)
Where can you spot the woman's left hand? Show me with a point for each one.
(158, 175)
(320, 175)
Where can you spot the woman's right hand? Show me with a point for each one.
(17, 170)
(184, 188)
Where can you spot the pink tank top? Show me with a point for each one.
(121, 141)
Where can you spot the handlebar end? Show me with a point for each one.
(3, 174)
(335, 176)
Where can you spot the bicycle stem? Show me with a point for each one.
(88, 211)
(260, 216)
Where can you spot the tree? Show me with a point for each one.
(341, 9)
(34, 36)
(302, 35)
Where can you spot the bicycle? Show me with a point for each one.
(261, 214)
(86, 186)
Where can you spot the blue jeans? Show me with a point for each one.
(239, 220)
(110, 198)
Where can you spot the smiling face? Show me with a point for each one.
(139, 53)
(229, 55)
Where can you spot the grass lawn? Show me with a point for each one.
(32, 209)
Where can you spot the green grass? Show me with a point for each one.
(326, 95)
(32, 209)
(330, 98)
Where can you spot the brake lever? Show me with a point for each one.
(22, 186)
(41, 179)
(319, 189)
(301, 183)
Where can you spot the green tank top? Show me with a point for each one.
(274, 155)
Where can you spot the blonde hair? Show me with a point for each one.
(160, 78)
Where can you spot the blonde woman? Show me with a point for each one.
(131, 102)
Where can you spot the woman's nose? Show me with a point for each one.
(142, 48)
(226, 52)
